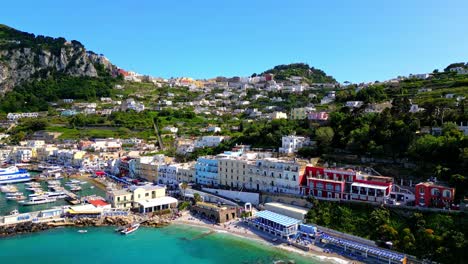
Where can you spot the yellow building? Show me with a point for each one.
(300, 113)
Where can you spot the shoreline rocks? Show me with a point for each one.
(22, 228)
(29, 227)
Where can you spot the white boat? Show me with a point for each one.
(82, 231)
(74, 181)
(12, 175)
(75, 188)
(56, 195)
(33, 184)
(38, 200)
(130, 229)
(33, 188)
(8, 188)
(16, 198)
(14, 194)
(48, 167)
(53, 183)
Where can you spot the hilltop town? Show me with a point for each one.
(291, 134)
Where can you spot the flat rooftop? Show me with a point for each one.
(288, 207)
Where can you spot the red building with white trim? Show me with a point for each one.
(343, 184)
(429, 194)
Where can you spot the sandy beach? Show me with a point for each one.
(239, 229)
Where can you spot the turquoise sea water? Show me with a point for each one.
(6, 206)
(173, 244)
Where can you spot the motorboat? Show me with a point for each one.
(130, 229)
(73, 182)
(14, 194)
(53, 183)
(8, 188)
(16, 197)
(38, 200)
(32, 184)
(82, 231)
(56, 195)
(75, 188)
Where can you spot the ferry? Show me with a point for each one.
(130, 229)
(12, 175)
(37, 200)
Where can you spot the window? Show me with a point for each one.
(146, 194)
(329, 186)
(319, 185)
(435, 192)
(421, 201)
(447, 194)
(422, 190)
(118, 199)
(337, 188)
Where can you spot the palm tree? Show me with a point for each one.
(183, 186)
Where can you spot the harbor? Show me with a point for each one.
(41, 193)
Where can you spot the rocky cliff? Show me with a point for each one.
(26, 57)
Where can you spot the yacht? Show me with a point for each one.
(18, 197)
(33, 184)
(56, 195)
(8, 188)
(38, 200)
(12, 175)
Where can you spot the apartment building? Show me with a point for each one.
(206, 171)
(345, 184)
(129, 198)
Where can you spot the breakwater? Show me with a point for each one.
(32, 227)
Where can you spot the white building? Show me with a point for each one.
(214, 129)
(278, 115)
(171, 129)
(415, 108)
(209, 141)
(354, 104)
(167, 174)
(291, 144)
(131, 104)
(16, 116)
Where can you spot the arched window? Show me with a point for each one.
(422, 190)
(447, 194)
(435, 192)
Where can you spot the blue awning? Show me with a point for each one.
(278, 218)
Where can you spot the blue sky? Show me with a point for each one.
(359, 40)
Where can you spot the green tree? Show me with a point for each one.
(324, 136)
